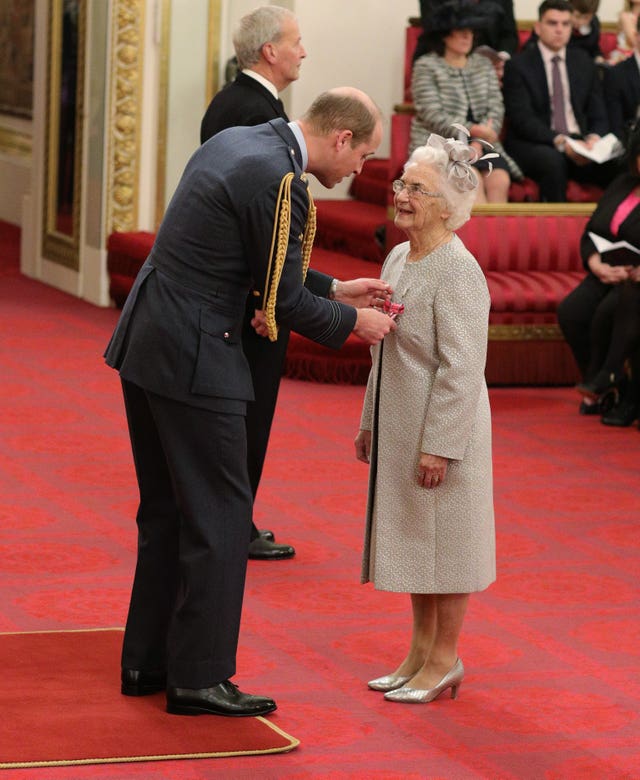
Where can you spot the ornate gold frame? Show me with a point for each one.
(163, 111)
(57, 246)
(125, 113)
(213, 49)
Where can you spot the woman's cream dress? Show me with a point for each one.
(427, 393)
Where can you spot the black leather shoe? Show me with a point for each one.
(622, 415)
(225, 698)
(261, 549)
(265, 533)
(137, 683)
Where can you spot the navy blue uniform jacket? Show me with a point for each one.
(179, 334)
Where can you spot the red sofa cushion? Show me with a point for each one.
(529, 291)
(342, 266)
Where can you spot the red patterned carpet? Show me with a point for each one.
(552, 649)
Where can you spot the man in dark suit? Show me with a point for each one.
(186, 382)
(622, 92)
(269, 50)
(551, 92)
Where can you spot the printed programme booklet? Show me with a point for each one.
(616, 252)
(606, 148)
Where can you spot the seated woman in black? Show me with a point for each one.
(600, 319)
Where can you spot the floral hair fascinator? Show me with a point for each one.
(461, 158)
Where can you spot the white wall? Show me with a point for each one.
(187, 85)
(607, 12)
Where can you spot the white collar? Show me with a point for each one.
(297, 131)
(548, 54)
(261, 80)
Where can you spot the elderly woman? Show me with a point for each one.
(426, 425)
(452, 85)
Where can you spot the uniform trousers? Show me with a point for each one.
(266, 361)
(193, 524)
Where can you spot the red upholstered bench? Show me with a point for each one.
(530, 262)
(126, 252)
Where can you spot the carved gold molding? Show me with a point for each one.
(527, 332)
(125, 113)
(15, 143)
(524, 210)
(213, 49)
(163, 110)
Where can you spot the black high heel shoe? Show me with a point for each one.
(602, 383)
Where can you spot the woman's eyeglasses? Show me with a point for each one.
(413, 190)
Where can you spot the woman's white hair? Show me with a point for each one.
(459, 204)
(260, 26)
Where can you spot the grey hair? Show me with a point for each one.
(458, 203)
(260, 26)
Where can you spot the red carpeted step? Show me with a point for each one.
(342, 266)
(372, 184)
(315, 363)
(350, 226)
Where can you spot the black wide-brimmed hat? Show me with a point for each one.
(461, 15)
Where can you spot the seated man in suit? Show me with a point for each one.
(186, 382)
(552, 91)
(622, 92)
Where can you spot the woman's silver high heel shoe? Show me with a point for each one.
(388, 683)
(452, 679)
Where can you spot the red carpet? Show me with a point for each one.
(552, 650)
(61, 691)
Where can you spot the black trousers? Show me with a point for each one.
(552, 169)
(586, 319)
(266, 361)
(193, 533)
